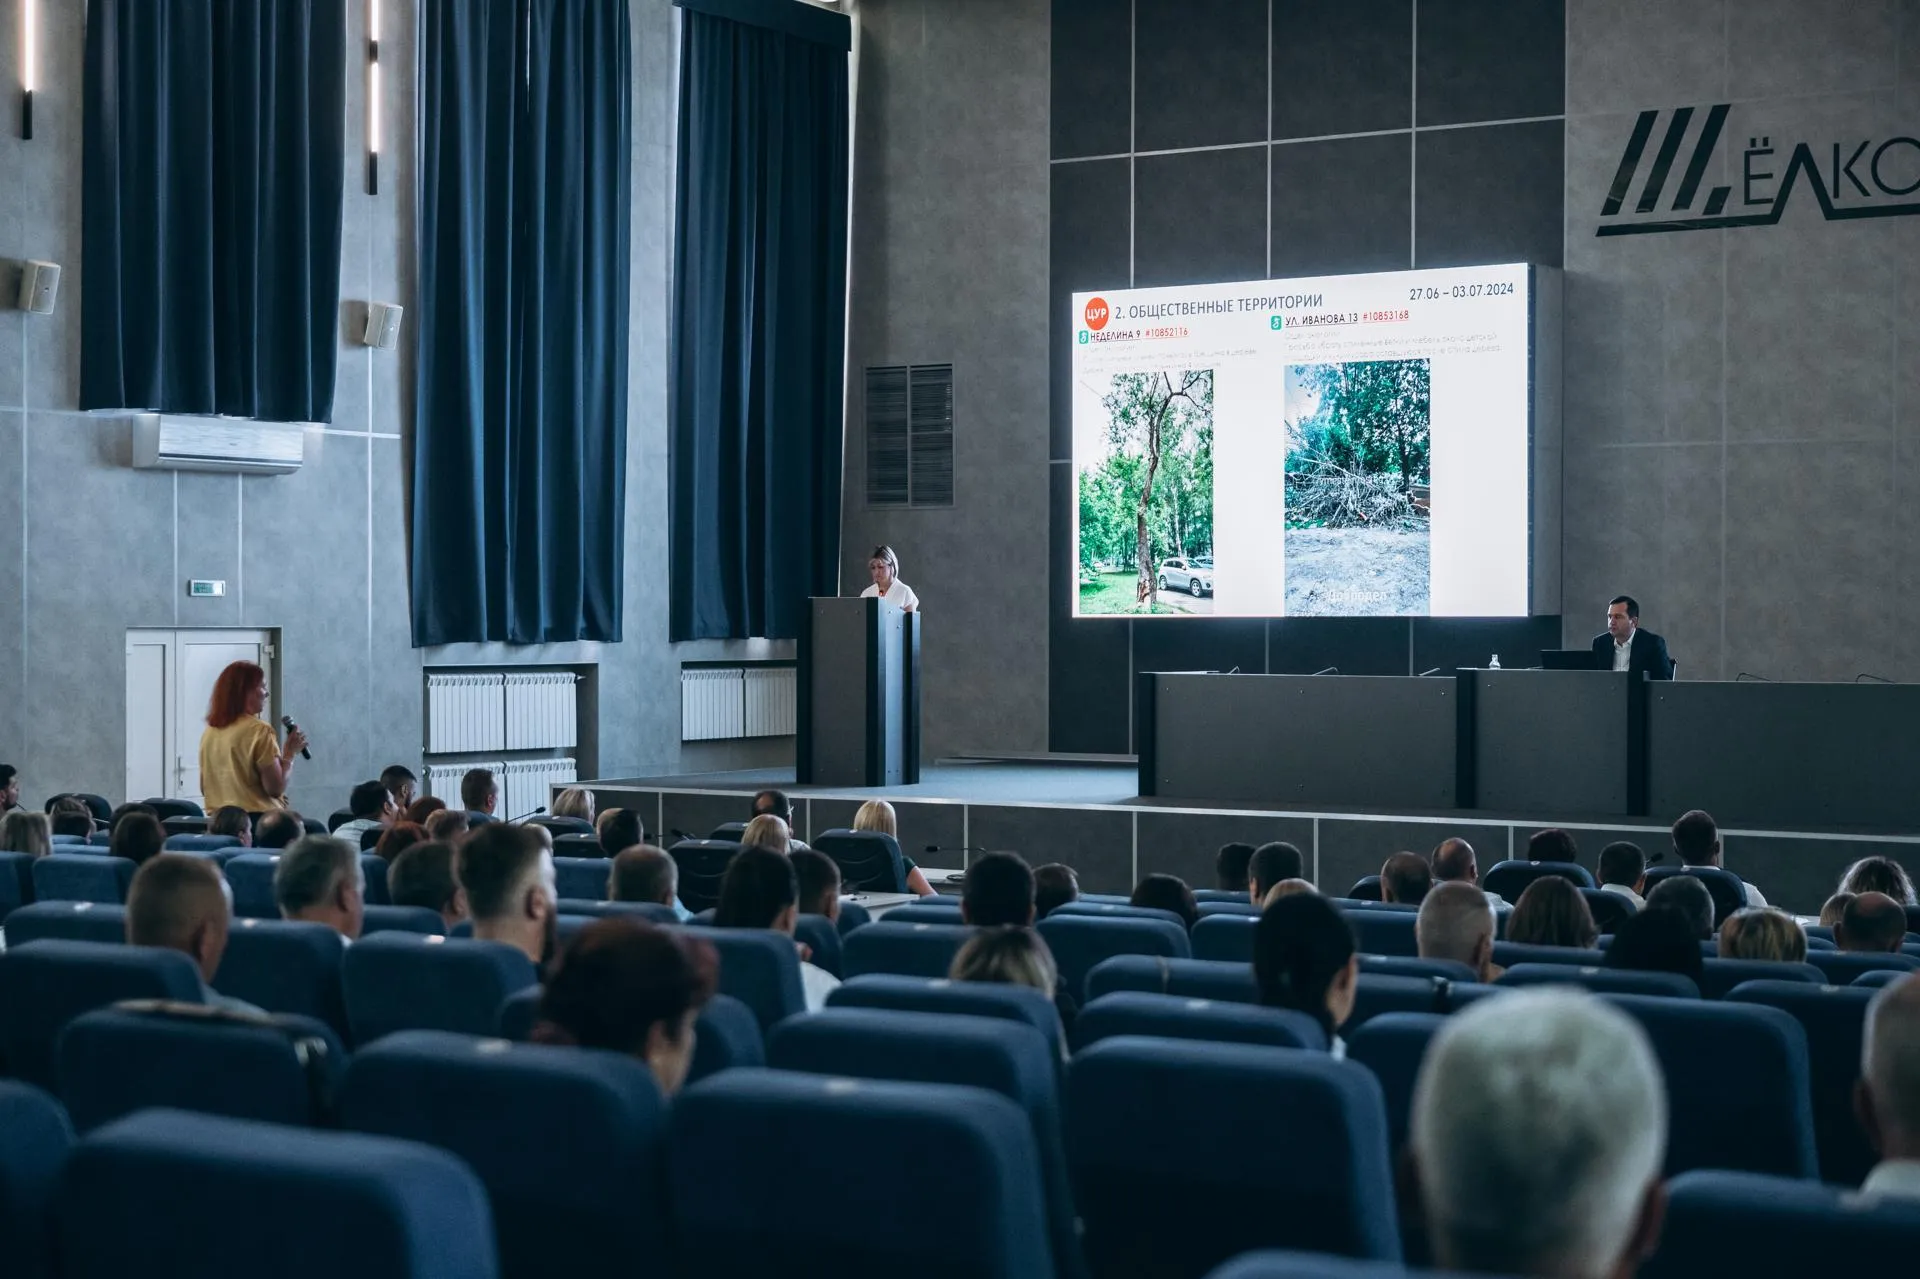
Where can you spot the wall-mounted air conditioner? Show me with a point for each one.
(165, 442)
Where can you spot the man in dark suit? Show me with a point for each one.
(1625, 647)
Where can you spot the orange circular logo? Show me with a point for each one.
(1097, 314)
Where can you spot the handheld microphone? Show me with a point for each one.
(530, 813)
(286, 722)
(1331, 670)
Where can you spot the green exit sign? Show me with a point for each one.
(202, 588)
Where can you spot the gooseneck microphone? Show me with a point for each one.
(532, 812)
(286, 722)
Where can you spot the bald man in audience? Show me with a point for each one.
(1872, 923)
(1538, 1132)
(182, 903)
(1456, 923)
(318, 880)
(1405, 879)
(1453, 862)
(1887, 1095)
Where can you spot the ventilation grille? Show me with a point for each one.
(910, 435)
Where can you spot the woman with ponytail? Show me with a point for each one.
(1304, 959)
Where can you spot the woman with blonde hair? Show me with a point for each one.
(768, 832)
(1763, 932)
(877, 815)
(884, 567)
(1010, 955)
(24, 832)
(1879, 875)
(574, 801)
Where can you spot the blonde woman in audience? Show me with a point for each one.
(768, 832)
(574, 801)
(24, 832)
(1286, 888)
(878, 815)
(1879, 875)
(1010, 955)
(1763, 932)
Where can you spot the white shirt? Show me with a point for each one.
(818, 983)
(1754, 896)
(1894, 1178)
(1637, 900)
(1623, 653)
(899, 593)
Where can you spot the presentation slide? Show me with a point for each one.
(1346, 446)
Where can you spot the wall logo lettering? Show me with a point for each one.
(1848, 178)
(1098, 314)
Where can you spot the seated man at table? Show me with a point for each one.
(1623, 646)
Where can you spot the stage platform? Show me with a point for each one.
(1087, 812)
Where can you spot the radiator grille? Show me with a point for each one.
(723, 703)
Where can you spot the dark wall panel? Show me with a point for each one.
(1186, 845)
(1098, 845)
(1092, 84)
(1341, 66)
(1195, 645)
(1343, 206)
(1450, 642)
(1491, 60)
(1357, 645)
(1091, 217)
(1173, 246)
(1202, 68)
(1490, 195)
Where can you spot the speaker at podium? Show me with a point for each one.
(858, 694)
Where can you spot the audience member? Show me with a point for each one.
(1833, 909)
(1287, 888)
(574, 801)
(318, 879)
(138, 837)
(1623, 870)
(400, 783)
(508, 874)
(423, 875)
(9, 788)
(644, 873)
(372, 807)
(1270, 864)
(1696, 840)
(125, 811)
(1456, 923)
(818, 879)
(1872, 923)
(70, 816)
(1160, 892)
(1552, 845)
(424, 807)
(1887, 1094)
(618, 830)
(242, 761)
(1659, 939)
(232, 820)
(24, 832)
(1054, 885)
(628, 987)
(878, 815)
(998, 889)
(278, 829)
(760, 890)
(768, 832)
(1010, 955)
(1879, 875)
(774, 803)
(178, 902)
(449, 824)
(1690, 897)
(1230, 866)
(1551, 912)
(398, 839)
(1763, 932)
(479, 794)
(1406, 879)
(1304, 958)
(1453, 862)
(1538, 1132)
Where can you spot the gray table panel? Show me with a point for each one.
(1307, 740)
(1551, 741)
(1757, 754)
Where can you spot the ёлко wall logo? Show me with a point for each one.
(1855, 178)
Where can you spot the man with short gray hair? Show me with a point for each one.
(319, 880)
(1887, 1096)
(1456, 922)
(1538, 1133)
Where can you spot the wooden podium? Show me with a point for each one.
(858, 694)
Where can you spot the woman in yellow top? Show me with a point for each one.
(242, 762)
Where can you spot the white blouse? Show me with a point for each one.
(899, 593)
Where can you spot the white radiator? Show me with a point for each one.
(769, 696)
(443, 780)
(541, 711)
(528, 784)
(712, 704)
(466, 713)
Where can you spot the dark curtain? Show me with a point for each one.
(759, 319)
(214, 145)
(519, 452)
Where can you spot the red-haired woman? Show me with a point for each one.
(242, 762)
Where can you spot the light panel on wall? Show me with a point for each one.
(373, 97)
(29, 63)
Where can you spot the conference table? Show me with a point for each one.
(1558, 743)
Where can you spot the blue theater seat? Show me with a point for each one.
(1079, 942)
(1728, 891)
(34, 1141)
(114, 1061)
(1186, 1154)
(1306, 1265)
(1509, 879)
(1834, 1018)
(1508, 953)
(855, 1142)
(16, 882)
(1397, 966)
(402, 919)
(1374, 994)
(1116, 910)
(1723, 975)
(940, 995)
(701, 863)
(869, 860)
(1228, 906)
(726, 1032)
(66, 921)
(942, 910)
(1392, 1046)
(46, 984)
(169, 1193)
(583, 877)
(1194, 978)
(1842, 966)
(1384, 932)
(852, 915)
(1621, 981)
(250, 875)
(646, 912)
(1227, 938)
(82, 877)
(819, 935)
(911, 950)
(1202, 896)
(759, 968)
(373, 874)
(286, 966)
(405, 981)
(1177, 1017)
(201, 843)
(1732, 1223)
(567, 1141)
(1878, 977)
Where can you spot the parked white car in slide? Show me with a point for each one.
(1195, 576)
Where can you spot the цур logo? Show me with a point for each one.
(1863, 178)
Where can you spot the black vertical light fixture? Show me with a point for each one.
(373, 96)
(29, 64)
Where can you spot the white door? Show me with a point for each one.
(170, 678)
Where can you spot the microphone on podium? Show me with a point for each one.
(532, 812)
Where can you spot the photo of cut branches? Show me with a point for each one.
(1358, 495)
(1146, 497)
